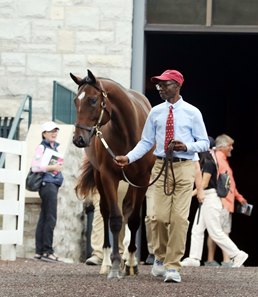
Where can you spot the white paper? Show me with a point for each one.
(51, 157)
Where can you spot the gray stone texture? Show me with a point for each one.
(49, 39)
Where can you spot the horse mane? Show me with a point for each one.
(85, 186)
(113, 81)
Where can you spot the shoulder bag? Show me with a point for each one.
(34, 181)
(223, 182)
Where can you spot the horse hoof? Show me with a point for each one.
(131, 270)
(115, 274)
(104, 269)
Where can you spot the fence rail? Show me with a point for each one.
(12, 200)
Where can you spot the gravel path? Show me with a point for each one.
(35, 278)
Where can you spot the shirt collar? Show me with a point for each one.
(177, 104)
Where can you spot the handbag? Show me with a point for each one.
(223, 182)
(223, 185)
(34, 181)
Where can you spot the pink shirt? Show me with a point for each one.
(36, 161)
(228, 202)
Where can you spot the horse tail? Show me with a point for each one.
(85, 186)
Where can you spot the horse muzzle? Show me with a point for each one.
(79, 141)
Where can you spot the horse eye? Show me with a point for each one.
(93, 101)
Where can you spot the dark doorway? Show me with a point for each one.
(221, 79)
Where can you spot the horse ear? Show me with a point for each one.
(76, 79)
(91, 77)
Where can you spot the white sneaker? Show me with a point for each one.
(191, 262)
(158, 268)
(172, 276)
(239, 259)
(94, 260)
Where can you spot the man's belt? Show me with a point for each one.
(175, 159)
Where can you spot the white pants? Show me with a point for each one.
(211, 217)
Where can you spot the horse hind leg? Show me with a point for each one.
(131, 210)
(131, 265)
(125, 243)
(129, 259)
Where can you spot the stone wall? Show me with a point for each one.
(45, 40)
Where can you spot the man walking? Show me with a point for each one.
(181, 124)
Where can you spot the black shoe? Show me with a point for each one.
(150, 259)
(37, 256)
(50, 258)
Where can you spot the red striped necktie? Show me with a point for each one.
(169, 128)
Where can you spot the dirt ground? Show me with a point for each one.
(35, 278)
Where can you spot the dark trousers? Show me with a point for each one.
(47, 218)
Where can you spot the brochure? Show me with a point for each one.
(51, 157)
(245, 209)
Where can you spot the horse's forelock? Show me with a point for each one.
(87, 80)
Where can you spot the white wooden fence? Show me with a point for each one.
(12, 198)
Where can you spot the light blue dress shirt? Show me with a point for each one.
(189, 128)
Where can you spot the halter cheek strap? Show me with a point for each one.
(95, 129)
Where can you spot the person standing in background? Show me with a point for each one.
(52, 180)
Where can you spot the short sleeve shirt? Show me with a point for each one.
(210, 167)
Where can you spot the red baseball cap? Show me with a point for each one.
(169, 75)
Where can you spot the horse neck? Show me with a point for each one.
(119, 100)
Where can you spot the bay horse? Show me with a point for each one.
(109, 122)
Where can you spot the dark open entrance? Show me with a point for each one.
(221, 79)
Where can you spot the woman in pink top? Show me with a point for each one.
(52, 180)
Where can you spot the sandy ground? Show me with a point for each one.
(34, 278)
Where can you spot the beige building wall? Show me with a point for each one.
(42, 41)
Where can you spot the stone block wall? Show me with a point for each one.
(42, 41)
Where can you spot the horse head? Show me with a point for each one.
(92, 108)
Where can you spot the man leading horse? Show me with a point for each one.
(185, 135)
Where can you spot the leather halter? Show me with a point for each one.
(95, 129)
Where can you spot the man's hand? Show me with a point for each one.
(177, 146)
(121, 161)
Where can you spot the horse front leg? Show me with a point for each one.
(115, 227)
(106, 263)
(109, 205)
